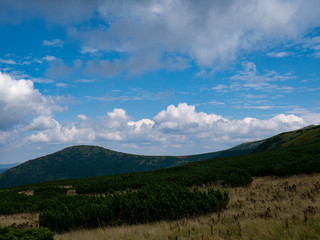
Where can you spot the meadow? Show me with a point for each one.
(270, 208)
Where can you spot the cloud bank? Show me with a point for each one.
(178, 126)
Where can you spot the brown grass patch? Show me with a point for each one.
(23, 220)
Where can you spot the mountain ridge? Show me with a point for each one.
(88, 161)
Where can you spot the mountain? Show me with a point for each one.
(87, 161)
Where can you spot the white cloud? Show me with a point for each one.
(173, 127)
(41, 80)
(279, 54)
(56, 133)
(41, 123)
(141, 125)
(49, 58)
(90, 50)
(85, 80)
(185, 118)
(82, 117)
(53, 43)
(19, 99)
(251, 79)
(63, 85)
(209, 32)
(8, 61)
(8, 137)
(117, 113)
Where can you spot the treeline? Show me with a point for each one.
(180, 175)
(14, 233)
(235, 171)
(150, 203)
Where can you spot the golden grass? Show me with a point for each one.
(271, 208)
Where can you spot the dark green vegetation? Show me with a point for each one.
(82, 161)
(14, 233)
(150, 203)
(60, 212)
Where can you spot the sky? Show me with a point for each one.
(171, 77)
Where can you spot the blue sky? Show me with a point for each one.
(155, 77)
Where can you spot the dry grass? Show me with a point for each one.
(23, 220)
(271, 208)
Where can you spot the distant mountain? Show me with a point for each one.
(3, 170)
(8, 165)
(83, 161)
(5, 167)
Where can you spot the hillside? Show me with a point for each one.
(297, 138)
(90, 161)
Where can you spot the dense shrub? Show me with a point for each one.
(49, 191)
(12, 202)
(236, 178)
(150, 203)
(7, 233)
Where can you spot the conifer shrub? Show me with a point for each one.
(148, 204)
(236, 178)
(14, 233)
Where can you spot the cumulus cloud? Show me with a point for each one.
(41, 123)
(175, 126)
(20, 100)
(56, 133)
(49, 58)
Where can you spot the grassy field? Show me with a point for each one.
(271, 208)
